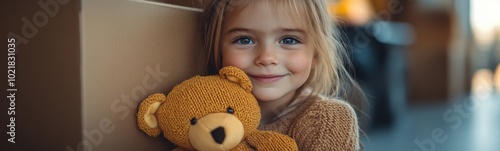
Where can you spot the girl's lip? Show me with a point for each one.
(267, 78)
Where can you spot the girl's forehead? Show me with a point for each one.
(288, 13)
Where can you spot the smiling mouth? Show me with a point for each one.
(267, 78)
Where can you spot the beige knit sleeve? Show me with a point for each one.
(327, 125)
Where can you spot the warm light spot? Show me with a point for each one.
(496, 79)
(484, 19)
(482, 84)
(357, 12)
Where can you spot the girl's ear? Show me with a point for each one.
(236, 75)
(146, 116)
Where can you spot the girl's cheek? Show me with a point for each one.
(234, 59)
(299, 63)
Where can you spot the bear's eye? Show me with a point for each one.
(193, 121)
(230, 110)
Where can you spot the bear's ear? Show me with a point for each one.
(236, 75)
(146, 117)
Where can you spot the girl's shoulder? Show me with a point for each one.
(327, 124)
(329, 110)
(329, 107)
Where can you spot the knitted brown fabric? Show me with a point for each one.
(320, 124)
(269, 141)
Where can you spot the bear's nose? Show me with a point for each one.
(218, 134)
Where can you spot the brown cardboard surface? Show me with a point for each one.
(82, 67)
(47, 102)
(130, 50)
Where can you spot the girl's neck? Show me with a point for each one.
(272, 110)
(269, 109)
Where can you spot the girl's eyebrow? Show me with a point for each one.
(239, 29)
(301, 31)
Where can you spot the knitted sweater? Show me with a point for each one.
(319, 124)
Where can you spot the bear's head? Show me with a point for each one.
(204, 112)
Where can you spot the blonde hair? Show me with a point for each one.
(329, 78)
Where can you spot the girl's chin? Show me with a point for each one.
(268, 96)
(265, 97)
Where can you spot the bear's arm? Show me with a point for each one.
(327, 125)
(268, 140)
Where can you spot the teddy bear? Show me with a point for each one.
(216, 112)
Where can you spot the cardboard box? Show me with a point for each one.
(132, 49)
(84, 73)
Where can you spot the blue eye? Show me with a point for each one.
(289, 41)
(244, 41)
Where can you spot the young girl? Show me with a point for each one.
(288, 49)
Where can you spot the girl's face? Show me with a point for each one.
(271, 47)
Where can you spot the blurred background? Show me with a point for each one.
(430, 69)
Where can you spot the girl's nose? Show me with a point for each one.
(266, 56)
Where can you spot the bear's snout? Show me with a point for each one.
(216, 131)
